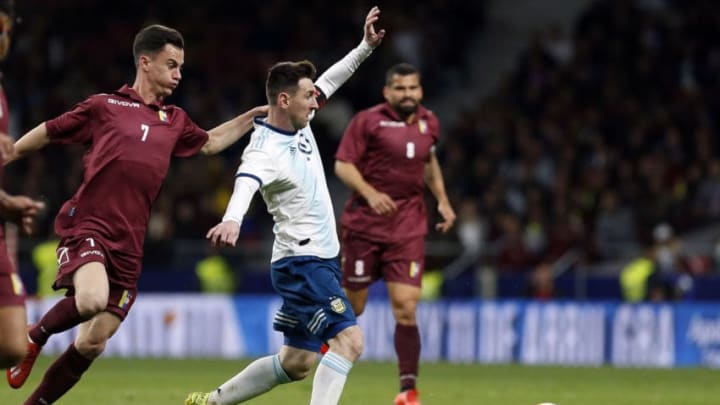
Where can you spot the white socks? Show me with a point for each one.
(265, 373)
(258, 377)
(330, 379)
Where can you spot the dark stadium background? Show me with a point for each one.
(597, 136)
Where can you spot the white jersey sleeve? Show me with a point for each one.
(257, 165)
(337, 74)
(245, 188)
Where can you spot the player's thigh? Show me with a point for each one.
(13, 329)
(92, 287)
(358, 299)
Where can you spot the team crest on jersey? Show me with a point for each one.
(414, 269)
(163, 116)
(422, 126)
(338, 306)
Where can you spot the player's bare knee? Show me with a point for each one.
(297, 369)
(404, 312)
(299, 372)
(89, 306)
(355, 349)
(406, 318)
(90, 349)
(349, 343)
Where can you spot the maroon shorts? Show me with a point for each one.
(75, 251)
(12, 291)
(365, 261)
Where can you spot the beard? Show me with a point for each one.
(406, 110)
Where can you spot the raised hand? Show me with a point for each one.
(372, 37)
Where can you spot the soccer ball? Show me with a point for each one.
(546, 403)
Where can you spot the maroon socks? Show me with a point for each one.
(62, 375)
(63, 316)
(407, 347)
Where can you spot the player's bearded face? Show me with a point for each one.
(404, 93)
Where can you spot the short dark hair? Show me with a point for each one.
(152, 39)
(401, 69)
(284, 76)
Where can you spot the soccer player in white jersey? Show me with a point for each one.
(283, 162)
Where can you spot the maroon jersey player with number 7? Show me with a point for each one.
(131, 137)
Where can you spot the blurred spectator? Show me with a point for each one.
(541, 284)
(656, 275)
(615, 228)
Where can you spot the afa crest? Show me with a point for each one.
(338, 306)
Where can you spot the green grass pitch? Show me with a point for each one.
(166, 382)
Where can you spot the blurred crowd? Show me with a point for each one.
(598, 135)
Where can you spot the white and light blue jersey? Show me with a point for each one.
(289, 169)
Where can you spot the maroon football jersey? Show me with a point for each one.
(391, 155)
(130, 144)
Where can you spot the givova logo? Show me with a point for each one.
(123, 103)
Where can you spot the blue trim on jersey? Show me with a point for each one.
(252, 176)
(260, 121)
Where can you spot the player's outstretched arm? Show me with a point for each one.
(436, 184)
(226, 233)
(230, 131)
(36, 139)
(338, 73)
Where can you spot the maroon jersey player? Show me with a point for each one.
(131, 136)
(20, 209)
(387, 157)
